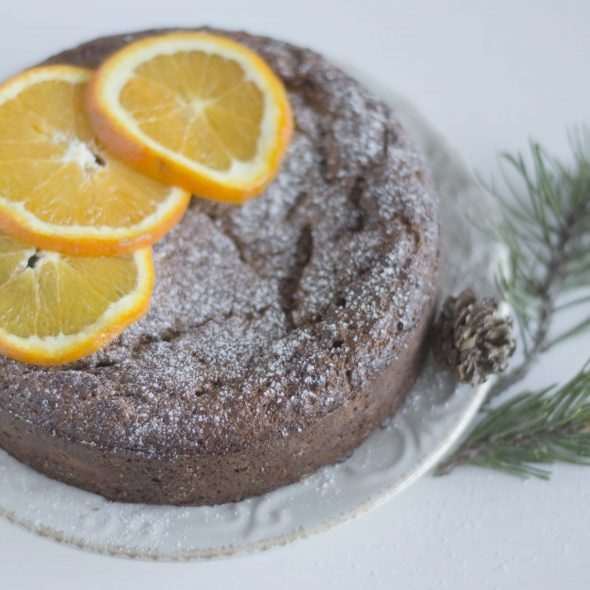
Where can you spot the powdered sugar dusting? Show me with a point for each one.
(270, 315)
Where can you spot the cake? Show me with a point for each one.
(282, 332)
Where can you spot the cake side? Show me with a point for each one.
(129, 476)
(282, 333)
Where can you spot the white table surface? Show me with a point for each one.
(489, 74)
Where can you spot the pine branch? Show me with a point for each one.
(541, 427)
(546, 228)
(548, 236)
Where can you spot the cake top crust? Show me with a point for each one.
(268, 316)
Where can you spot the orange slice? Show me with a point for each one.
(195, 110)
(56, 308)
(59, 188)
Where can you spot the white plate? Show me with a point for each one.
(432, 418)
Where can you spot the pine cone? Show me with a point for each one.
(471, 339)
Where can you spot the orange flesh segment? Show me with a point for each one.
(198, 104)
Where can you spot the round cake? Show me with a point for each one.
(281, 332)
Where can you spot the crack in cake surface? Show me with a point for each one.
(289, 285)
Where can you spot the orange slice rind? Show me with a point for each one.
(59, 188)
(193, 109)
(56, 308)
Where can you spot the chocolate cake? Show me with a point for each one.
(282, 332)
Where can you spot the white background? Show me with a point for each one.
(489, 75)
